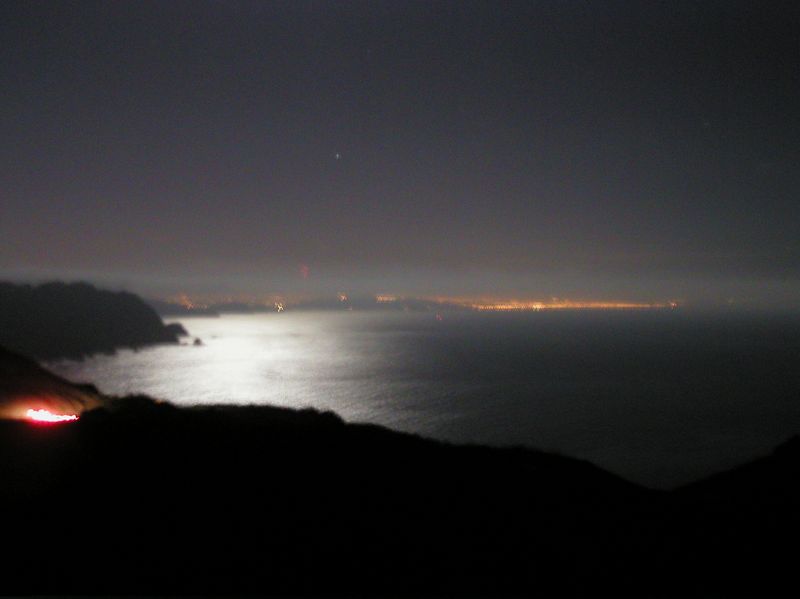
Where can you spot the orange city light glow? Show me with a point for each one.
(47, 416)
(506, 305)
(561, 305)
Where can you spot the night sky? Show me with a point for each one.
(625, 150)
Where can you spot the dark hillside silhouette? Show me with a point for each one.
(58, 320)
(141, 497)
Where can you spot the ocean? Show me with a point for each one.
(659, 397)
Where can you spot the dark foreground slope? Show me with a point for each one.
(73, 320)
(140, 497)
(146, 497)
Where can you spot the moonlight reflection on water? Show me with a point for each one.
(659, 397)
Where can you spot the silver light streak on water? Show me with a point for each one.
(657, 397)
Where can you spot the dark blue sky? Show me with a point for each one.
(642, 150)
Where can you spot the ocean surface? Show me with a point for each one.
(658, 397)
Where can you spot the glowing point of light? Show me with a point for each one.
(47, 416)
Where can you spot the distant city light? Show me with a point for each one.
(188, 303)
(491, 305)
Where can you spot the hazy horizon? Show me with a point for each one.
(636, 151)
(758, 294)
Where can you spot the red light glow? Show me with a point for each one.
(47, 416)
